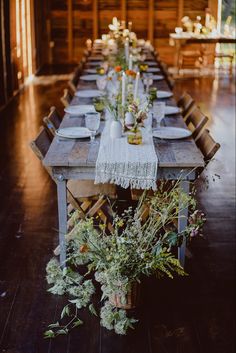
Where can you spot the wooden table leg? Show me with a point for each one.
(62, 216)
(182, 222)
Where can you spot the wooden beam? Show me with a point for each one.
(95, 19)
(180, 11)
(3, 52)
(150, 20)
(123, 10)
(70, 30)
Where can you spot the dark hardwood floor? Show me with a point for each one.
(187, 315)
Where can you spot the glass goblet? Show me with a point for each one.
(92, 122)
(101, 83)
(159, 112)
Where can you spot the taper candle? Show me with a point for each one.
(136, 85)
(123, 89)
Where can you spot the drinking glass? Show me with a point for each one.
(159, 112)
(148, 81)
(92, 122)
(101, 83)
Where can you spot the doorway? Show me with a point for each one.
(22, 41)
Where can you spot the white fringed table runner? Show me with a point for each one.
(126, 165)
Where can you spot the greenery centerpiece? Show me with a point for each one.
(140, 245)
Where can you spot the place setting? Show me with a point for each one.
(160, 111)
(90, 130)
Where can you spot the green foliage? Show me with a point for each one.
(137, 247)
(113, 318)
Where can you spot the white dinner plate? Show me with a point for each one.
(95, 58)
(89, 77)
(157, 77)
(94, 63)
(90, 71)
(151, 63)
(73, 132)
(90, 93)
(153, 69)
(171, 133)
(169, 110)
(79, 109)
(164, 94)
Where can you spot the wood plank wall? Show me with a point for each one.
(73, 21)
(6, 82)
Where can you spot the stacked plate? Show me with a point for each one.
(76, 110)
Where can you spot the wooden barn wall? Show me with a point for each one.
(71, 22)
(11, 63)
(6, 87)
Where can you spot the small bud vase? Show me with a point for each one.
(134, 137)
(116, 129)
(129, 119)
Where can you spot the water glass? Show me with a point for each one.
(148, 123)
(101, 83)
(92, 122)
(148, 81)
(159, 112)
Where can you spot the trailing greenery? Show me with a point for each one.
(140, 245)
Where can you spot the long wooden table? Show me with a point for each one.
(76, 159)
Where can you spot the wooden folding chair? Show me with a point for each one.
(52, 121)
(166, 74)
(195, 121)
(207, 145)
(83, 195)
(73, 83)
(66, 98)
(190, 59)
(187, 103)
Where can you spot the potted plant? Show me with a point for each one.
(139, 246)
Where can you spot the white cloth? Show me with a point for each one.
(126, 165)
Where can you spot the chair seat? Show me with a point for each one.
(87, 188)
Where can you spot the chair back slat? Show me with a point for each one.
(52, 121)
(66, 98)
(207, 145)
(196, 121)
(187, 103)
(40, 145)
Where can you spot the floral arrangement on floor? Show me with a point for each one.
(140, 245)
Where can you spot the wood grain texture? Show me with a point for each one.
(194, 314)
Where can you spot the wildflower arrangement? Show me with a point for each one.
(114, 106)
(138, 246)
(139, 113)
